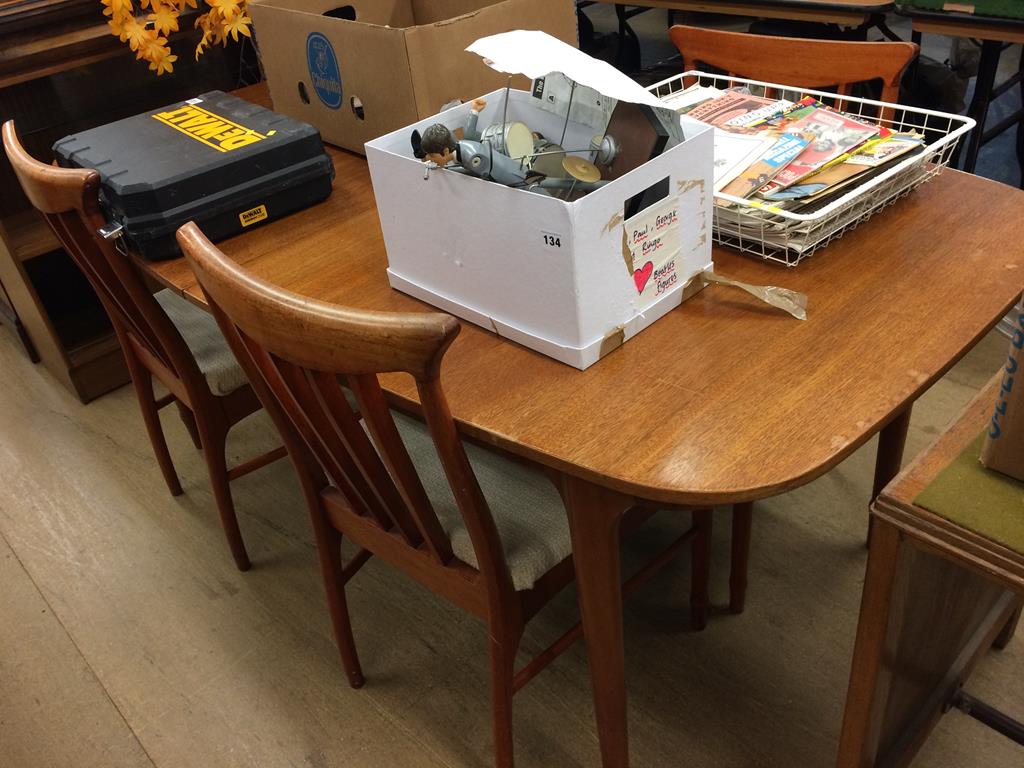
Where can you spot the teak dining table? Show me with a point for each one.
(723, 401)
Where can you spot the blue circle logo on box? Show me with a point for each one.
(323, 69)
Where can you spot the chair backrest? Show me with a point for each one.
(296, 352)
(68, 198)
(795, 61)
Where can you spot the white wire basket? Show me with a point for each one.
(788, 237)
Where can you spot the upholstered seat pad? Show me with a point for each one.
(527, 509)
(207, 344)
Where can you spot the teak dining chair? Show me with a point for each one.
(485, 532)
(161, 335)
(800, 63)
(795, 61)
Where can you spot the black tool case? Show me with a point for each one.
(218, 160)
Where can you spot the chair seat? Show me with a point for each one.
(202, 335)
(526, 507)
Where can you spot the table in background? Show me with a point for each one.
(993, 33)
(723, 400)
(860, 14)
(936, 598)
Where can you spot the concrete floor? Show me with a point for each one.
(127, 638)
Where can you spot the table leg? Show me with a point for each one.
(628, 57)
(861, 720)
(986, 80)
(915, 65)
(1007, 633)
(891, 441)
(700, 570)
(742, 525)
(594, 516)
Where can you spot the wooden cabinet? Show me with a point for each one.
(62, 72)
(59, 312)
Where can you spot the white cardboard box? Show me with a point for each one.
(570, 280)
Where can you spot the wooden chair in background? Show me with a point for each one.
(800, 63)
(162, 335)
(486, 533)
(796, 61)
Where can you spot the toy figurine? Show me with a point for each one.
(488, 163)
(437, 145)
(470, 131)
(438, 142)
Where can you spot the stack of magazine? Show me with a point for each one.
(784, 156)
(793, 155)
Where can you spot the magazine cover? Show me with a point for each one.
(873, 154)
(760, 115)
(729, 105)
(767, 166)
(833, 135)
(734, 152)
(793, 114)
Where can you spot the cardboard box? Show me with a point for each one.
(399, 60)
(569, 279)
(1003, 449)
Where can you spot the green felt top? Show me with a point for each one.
(979, 499)
(1011, 9)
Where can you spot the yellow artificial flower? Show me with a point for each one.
(152, 47)
(164, 63)
(116, 25)
(238, 24)
(227, 8)
(164, 18)
(134, 33)
(119, 9)
(147, 36)
(202, 45)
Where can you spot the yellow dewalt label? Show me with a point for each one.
(209, 128)
(259, 213)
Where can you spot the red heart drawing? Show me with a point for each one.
(642, 275)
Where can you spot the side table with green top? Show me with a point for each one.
(996, 24)
(944, 584)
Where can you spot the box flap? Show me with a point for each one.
(384, 13)
(446, 11)
(443, 71)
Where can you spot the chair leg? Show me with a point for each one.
(700, 570)
(214, 440)
(503, 658)
(331, 567)
(189, 420)
(142, 383)
(1006, 635)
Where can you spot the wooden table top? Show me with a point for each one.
(824, 11)
(724, 399)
